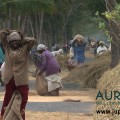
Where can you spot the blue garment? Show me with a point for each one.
(2, 56)
(79, 52)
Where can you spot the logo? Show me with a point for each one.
(108, 95)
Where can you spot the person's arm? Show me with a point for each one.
(73, 43)
(30, 41)
(105, 48)
(98, 50)
(3, 36)
(83, 42)
(71, 52)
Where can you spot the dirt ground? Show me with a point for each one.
(75, 95)
(82, 95)
(65, 95)
(57, 116)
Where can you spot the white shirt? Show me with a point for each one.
(101, 50)
(55, 53)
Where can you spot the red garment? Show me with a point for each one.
(10, 88)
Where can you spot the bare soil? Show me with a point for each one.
(75, 95)
(82, 95)
(57, 116)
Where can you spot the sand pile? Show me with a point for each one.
(90, 72)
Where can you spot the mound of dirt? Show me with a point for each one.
(90, 72)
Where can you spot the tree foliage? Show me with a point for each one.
(29, 6)
(96, 5)
(49, 21)
(111, 24)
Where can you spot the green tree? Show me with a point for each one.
(112, 15)
(111, 11)
(26, 12)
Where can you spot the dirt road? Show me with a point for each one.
(74, 103)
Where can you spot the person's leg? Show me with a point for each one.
(9, 89)
(1, 117)
(23, 89)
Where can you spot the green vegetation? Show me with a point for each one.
(57, 21)
(49, 21)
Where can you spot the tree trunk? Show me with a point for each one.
(114, 32)
(115, 44)
(36, 28)
(23, 24)
(10, 20)
(31, 26)
(41, 25)
(19, 21)
(67, 18)
(115, 54)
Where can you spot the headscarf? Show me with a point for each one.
(41, 47)
(101, 42)
(13, 36)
